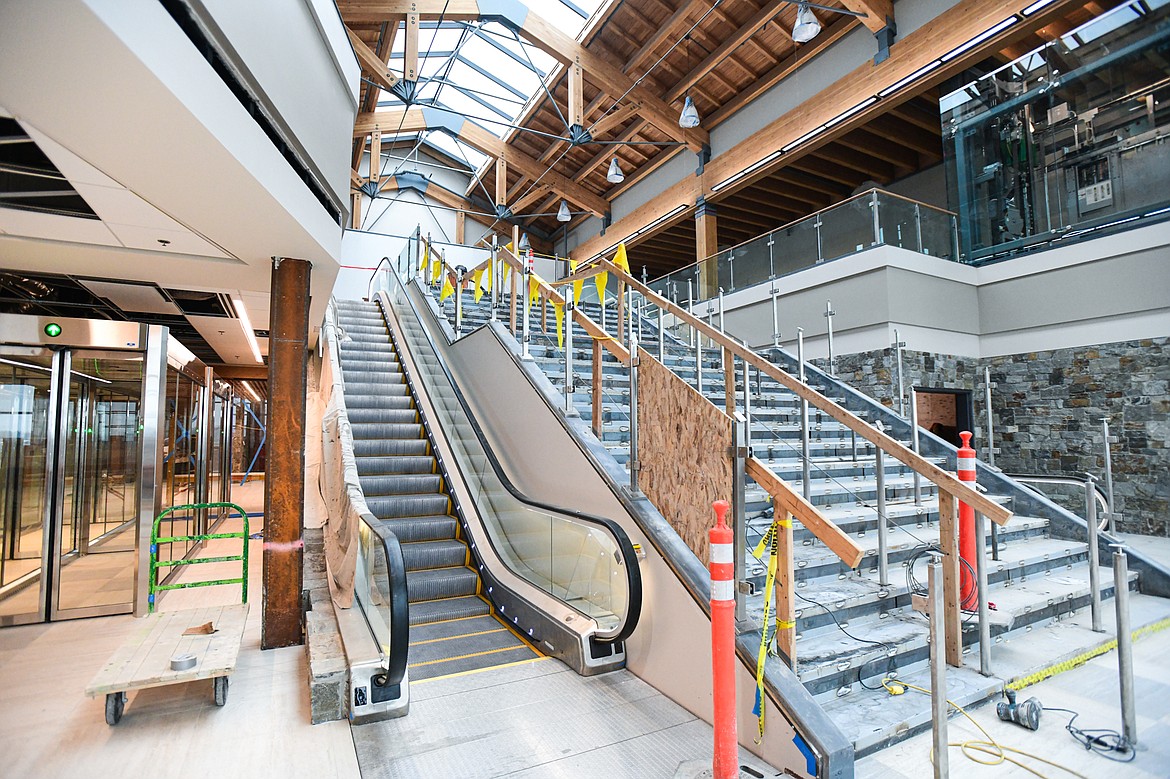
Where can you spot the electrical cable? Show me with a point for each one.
(996, 753)
(1103, 741)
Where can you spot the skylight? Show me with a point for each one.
(483, 71)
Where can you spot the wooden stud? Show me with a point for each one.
(372, 64)
(621, 311)
(576, 94)
(356, 215)
(948, 533)
(596, 389)
(785, 587)
(502, 184)
(410, 58)
(707, 245)
(460, 227)
(375, 155)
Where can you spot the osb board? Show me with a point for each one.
(684, 445)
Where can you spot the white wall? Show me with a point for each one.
(1101, 291)
(304, 66)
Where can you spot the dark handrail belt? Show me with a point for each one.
(633, 574)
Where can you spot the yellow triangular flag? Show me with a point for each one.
(487, 278)
(475, 284)
(447, 289)
(601, 279)
(436, 269)
(621, 260)
(560, 311)
(426, 255)
(577, 285)
(533, 288)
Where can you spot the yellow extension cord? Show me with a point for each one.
(972, 748)
(998, 752)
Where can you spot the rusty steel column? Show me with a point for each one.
(284, 480)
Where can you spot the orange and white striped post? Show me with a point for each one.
(968, 549)
(722, 564)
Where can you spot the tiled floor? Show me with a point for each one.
(49, 729)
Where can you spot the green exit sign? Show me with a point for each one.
(52, 329)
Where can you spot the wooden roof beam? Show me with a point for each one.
(597, 69)
(952, 27)
(418, 119)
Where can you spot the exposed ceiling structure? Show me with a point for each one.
(624, 80)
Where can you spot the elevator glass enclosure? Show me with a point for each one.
(102, 425)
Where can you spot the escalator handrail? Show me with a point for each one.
(398, 597)
(396, 584)
(629, 554)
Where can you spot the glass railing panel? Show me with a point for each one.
(897, 224)
(371, 577)
(847, 228)
(751, 262)
(938, 232)
(795, 247)
(578, 563)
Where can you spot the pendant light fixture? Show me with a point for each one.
(563, 213)
(689, 118)
(615, 175)
(524, 244)
(807, 27)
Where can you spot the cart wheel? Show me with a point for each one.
(221, 688)
(115, 705)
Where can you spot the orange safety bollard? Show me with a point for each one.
(722, 565)
(968, 551)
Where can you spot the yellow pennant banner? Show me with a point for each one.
(425, 258)
(533, 288)
(447, 289)
(475, 277)
(560, 312)
(436, 269)
(621, 260)
(487, 278)
(601, 279)
(577, 285)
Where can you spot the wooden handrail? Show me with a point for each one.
(787, 499)
(945, 481)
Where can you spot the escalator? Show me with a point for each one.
(454, 628)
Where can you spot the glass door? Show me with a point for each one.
(26, 395)
(97, 522)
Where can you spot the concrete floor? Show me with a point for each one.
(1092, 690)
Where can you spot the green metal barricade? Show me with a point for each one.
(155, 564)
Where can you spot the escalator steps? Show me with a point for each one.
(453, 629)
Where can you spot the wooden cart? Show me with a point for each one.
(144, 660)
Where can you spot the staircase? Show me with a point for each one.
(852, 629)
(453, 626)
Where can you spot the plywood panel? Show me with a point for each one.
(684, 450)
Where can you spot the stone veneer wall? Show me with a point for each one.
(1047, 409)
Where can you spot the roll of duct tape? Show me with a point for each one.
(183, 662)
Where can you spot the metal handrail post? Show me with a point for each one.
(879, 472)
(690, 304)
(829, 313)
(1094, 562)
(570, 379)
(981, 580)
(747, 399)
(805, 469)
(634, 466)
(775, 316)
(1108, 473)
(915, 445)
(898, 344)
(661, 336)
(987, 403)
(459, 271)
(525, 354)
(939, 707)
(1124, 645)
(739, 528)
(698, 342)
(722, 352)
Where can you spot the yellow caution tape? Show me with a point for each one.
(785, 624)
(770, 539)
(1081, 659)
